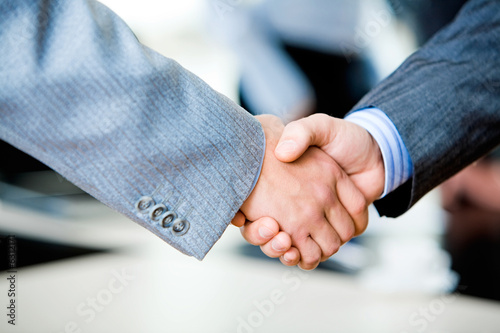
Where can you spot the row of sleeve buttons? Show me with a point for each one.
(159, 213)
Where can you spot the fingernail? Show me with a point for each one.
(287, 146)
(277, 246)
(265, 232)
(286, 257)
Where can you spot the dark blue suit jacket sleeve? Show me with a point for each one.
(445, 101)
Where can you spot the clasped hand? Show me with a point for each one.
(318, 177)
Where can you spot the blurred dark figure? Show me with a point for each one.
(472, 201)
(426, 17)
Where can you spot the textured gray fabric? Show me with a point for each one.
(81, 94)
(445, 101)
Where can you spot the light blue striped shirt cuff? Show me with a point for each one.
(397, 161)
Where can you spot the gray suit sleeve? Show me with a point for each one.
(81, 94)
(445, 101)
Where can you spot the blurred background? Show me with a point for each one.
(84, 268)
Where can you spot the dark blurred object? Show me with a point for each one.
(30, 184)
(472, 201)
(15, 161)
(426, 17)
(337, 84)
(26, 182)
(471, 198)
(29, 252)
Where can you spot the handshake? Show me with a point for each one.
(318, 178)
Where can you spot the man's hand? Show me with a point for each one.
(351, 146)
(262, 231)
(311, 198)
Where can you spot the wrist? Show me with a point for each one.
(379, 169)
(272, 128)
(396, 158)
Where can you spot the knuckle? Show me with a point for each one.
(359, 213)
(327, 253)
(349, 233)
(319, 117)
(324, 193)
(309, 261)
(362, 227)
(296, 126)
(331, 250)
(359, 206)
(312, 214)
(336, 246)
(336, 172)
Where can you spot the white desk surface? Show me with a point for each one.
(170, 292)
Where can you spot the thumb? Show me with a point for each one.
(300, 134)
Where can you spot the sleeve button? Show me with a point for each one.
(144, 203)
(180, 227)
(157, 211)
(167, 219)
